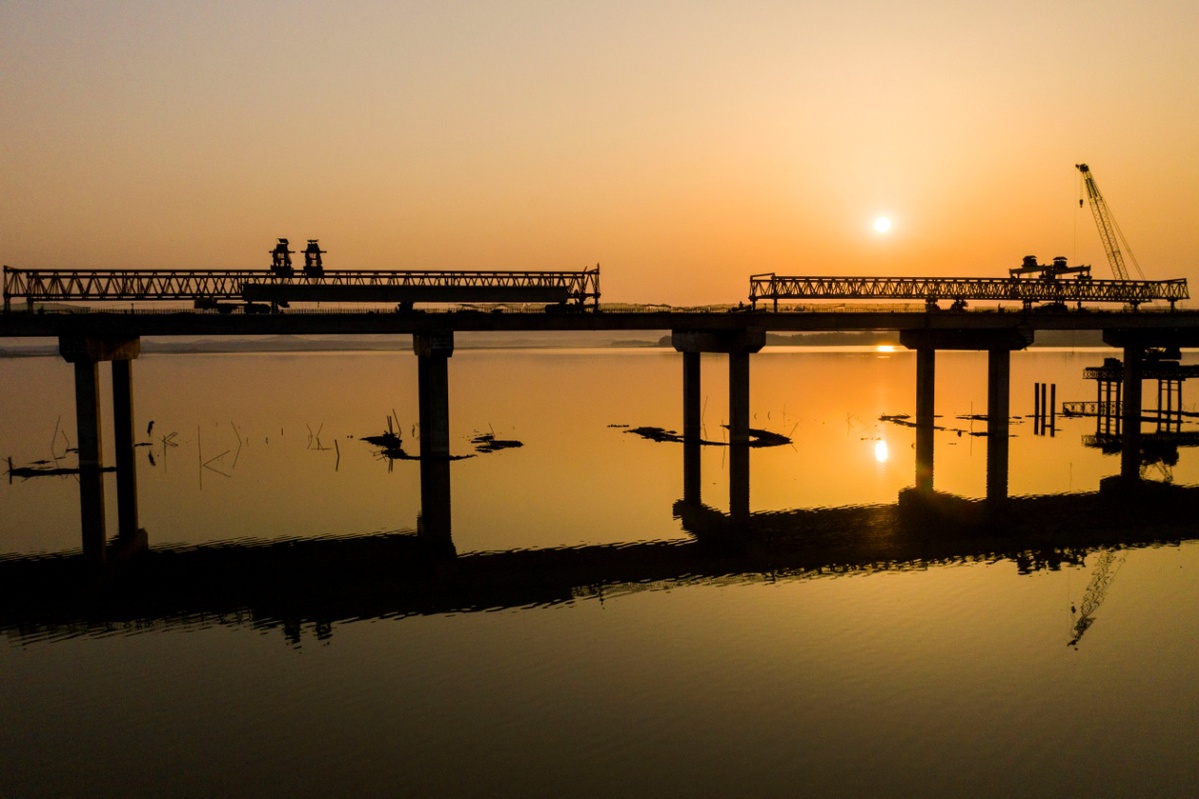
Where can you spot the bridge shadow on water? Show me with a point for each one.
(290, 583)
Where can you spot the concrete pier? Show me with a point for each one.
(999, 365)
(122, 430)
(738, 398)
(91, 478)
(926, 374)
(433, 351)
(999, 345)
(86, 354)
(1130, 452)
(691, 397)
(738, 345)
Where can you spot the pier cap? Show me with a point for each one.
(83, 349)
(745, 340)
(1011, 338)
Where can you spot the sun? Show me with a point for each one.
(882, 224)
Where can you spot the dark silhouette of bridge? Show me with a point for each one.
(88, 339)
(399, 574)
(323, 581)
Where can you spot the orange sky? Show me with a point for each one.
(682, 145)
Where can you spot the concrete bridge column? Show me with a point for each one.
(91, 478)
(691, 396)
(692, 428)
(739, 436)
(433, 351)
(738, 398)
(86, 354)
(926, 373)
(122, 429)
(738, 345)
(999, 363)
(999, 344)
(1130, 450)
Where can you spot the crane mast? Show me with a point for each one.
(1109, 231)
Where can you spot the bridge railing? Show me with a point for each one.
(773, 287)
(132, 285)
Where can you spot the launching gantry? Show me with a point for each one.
(265, 290)
(1053, 285)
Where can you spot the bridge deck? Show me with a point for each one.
(1181, 326)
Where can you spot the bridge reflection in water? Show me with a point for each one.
(291, 583)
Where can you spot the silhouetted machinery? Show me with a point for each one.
(281, 259)
(312, 259)
(1030, 267)
(1109, 231)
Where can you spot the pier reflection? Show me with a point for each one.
(291, 583)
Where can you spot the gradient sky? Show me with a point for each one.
(682, 145)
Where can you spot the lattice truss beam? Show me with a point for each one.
(1149, 371)
(933, 289)
(48, 285)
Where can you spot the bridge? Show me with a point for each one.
(94, 336)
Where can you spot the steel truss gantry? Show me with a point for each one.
(133, 285)
(960, 290)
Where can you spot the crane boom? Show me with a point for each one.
(1109, 231)
(1109, 562)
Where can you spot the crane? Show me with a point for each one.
(1109, 231)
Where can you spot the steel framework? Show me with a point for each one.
(133, 285)
(1149, 371)
(960, 290)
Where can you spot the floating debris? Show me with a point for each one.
(391, 444)
(904, 420)
(901, 419)
(660, 434)
(757, 437)
(765, 438)
(487, 442)
(42, 468)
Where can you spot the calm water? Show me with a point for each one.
(946, 677)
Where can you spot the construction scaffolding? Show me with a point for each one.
(1108, 405)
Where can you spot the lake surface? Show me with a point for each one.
(576, 644)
